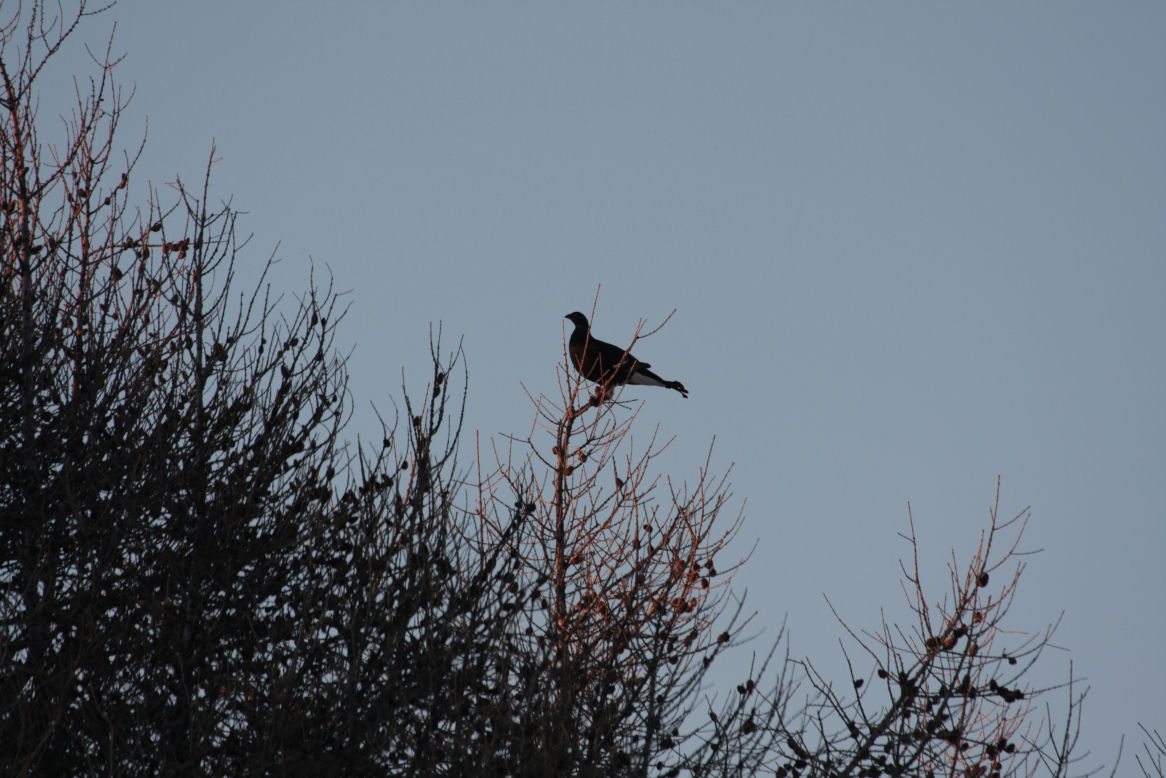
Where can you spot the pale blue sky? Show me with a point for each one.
(913, 246)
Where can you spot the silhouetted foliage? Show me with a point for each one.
(199, 576)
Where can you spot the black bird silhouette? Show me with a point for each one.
(608, 365)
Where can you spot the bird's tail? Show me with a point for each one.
(645, 377)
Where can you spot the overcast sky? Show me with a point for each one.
(911, 246)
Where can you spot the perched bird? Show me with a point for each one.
(608, 365)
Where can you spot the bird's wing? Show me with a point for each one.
(613, 356)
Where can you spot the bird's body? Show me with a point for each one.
(608, 365)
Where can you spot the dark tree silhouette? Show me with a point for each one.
(197, 575)
(159, 448)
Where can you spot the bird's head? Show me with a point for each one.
(578, 319)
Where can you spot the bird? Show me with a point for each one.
(608, 365)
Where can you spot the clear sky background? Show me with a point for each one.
(912, 246)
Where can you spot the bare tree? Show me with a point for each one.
(155, 444)
(627, 601)
(394, 625)
(197, 575)
(946, 695)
